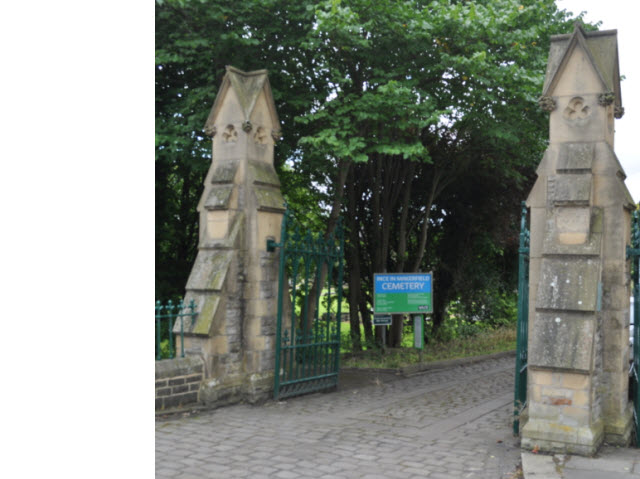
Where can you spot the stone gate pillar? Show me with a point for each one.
(579, 276)
(234, 279)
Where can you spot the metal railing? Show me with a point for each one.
(307, 348)
(520, 399)
(166, 317)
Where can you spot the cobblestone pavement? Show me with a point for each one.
(453, 423)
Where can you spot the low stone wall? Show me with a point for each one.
(178, 382)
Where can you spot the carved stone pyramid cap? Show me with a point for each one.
(601, 48)
(247, 87)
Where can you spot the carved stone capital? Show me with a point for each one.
(275, 134)
(210, 131)
(547, 103)
(246, 126)
(618, 112)
(605, 99)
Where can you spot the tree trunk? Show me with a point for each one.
(354, 268)
(336, 207)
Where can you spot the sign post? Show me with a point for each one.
(382, 320)
(418, 334)
(418, 331)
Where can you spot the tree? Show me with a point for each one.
(194, 42)
(422, 94)
(414, 119)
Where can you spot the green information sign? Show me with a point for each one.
(405, 293)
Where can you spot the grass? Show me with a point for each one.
(485, 342)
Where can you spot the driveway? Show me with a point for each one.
(451, 423)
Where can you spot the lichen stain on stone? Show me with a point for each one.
(219, 265)
(205, 318)
(219, 197)
(264, 173)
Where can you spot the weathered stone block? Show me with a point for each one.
(578, 118)
(568, 284)
(269, 199)
(217, 224)
(611, 191)
(615, 297)
(162, 392)
(180, 389)
(575, 156)
(538, 195)
(209, 270)
(582, 398)
(224, 172)
(562, 340)
(219, 197)
(573, 230)
(575, 381)
(170, 368)
(205, 321)
(263, 174)
(543, 378)
(556, 396)
(569, 189)
(615, 272)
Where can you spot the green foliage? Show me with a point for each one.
(429, 106)
(165, 351)
(485, 342)
(195, 40)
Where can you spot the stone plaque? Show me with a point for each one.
(569, 189)
(562, 340)
(568, 284)
(575, 156)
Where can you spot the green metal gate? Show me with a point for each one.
(520, 400)
(633, 252)
(310, 281)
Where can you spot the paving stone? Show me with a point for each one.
(609, 464)
(443, 423)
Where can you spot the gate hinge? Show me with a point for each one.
(272, 245)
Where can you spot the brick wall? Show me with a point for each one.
(178, 382)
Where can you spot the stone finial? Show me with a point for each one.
(601, 51)
(247, 87)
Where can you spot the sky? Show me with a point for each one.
(621, 15)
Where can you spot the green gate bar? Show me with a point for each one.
(307, 347)
(520, 399)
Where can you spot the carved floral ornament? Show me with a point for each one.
(576, 109)
(547, 103)
(607, 98)
(230, 134)
(260, 136)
